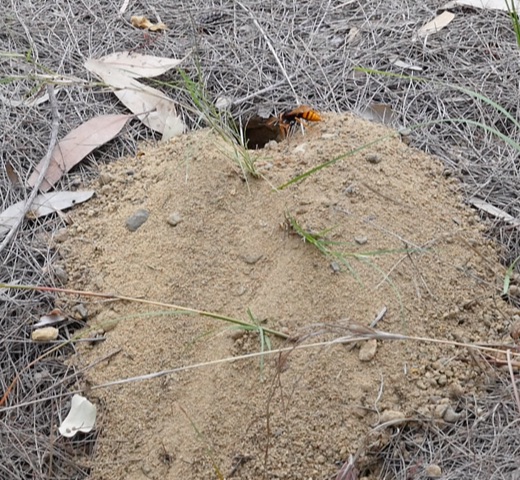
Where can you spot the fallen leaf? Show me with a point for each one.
(437, 24)
(81, 417)
(52, 318)
(43, 204)
(495, 211)
(133, 64)
(76, 145)
(150, 105)
(484, 4)
(173, 125)
(144, 23)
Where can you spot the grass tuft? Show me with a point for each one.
(221, 122)
(513, 13)
(328, 248)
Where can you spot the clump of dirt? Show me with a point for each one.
(216, 243)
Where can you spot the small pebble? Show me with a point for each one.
(514, 291)
(450, 415)
(406, 135)
(373, 158)
(80, 312)
(105, 179)
(391, 416)
(368, 350)
(433, 471)
(252, 258)
(456, 391)
(137, 219)
(361, 240)
(60, 275)
(335, 267)
(440, 410)
(514, 330)
(61, 235)
(106, 321)
(359, 412)
(174, 219)
(238, 333)
(421, 385)
(46, 334)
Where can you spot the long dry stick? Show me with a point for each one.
(114, 296)
(357, 333)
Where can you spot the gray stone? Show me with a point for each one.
(105, 179)
(80, 312)
(61, 235)
(440, 410)
(335, 267)
(361, 240)
(252, 258)
(373, 158)
(60, 275)
(137, 219)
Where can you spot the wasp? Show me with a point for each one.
(303, 112)
(260, 130)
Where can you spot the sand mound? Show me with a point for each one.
(214, 242)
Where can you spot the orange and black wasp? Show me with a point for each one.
(259, 130)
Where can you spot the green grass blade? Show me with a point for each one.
(308, 173)
(508, 275)
(485, 127)
(465, 90)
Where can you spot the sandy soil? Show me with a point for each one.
(214, 242)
